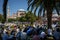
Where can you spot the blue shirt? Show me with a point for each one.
(5, 37)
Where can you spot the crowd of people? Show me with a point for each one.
(29, 33)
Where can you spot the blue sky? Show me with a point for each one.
(15, 5)
(1, 2)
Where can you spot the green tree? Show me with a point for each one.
(1, 17)
(22, 19)
(30, 17)
(11, 20)
(58, 5)
(59, 22)
(48, 5)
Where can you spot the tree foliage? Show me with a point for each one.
(42, 5)
(29, 17)
(0, 17)
(22, 19)
(11, 20)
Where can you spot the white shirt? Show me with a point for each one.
(4, 31)
(53, 26)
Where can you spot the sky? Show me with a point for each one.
(14, 5)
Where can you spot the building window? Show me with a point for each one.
(22, 14)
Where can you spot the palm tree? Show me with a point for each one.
(58, 5)
(4, 9)
(42, 5)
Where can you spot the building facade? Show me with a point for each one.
(19, 13)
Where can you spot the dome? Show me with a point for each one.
(21, 10)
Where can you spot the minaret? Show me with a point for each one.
(8, 12)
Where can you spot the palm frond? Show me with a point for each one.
(35, 10)
(43, 12)
(40, 10)
(57, 10)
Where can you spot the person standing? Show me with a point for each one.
(49, 32)
(56, 34)
(36, 36)
(43, 35)
(5, 36)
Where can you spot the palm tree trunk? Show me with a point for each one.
(4, 9)
(49, 17)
